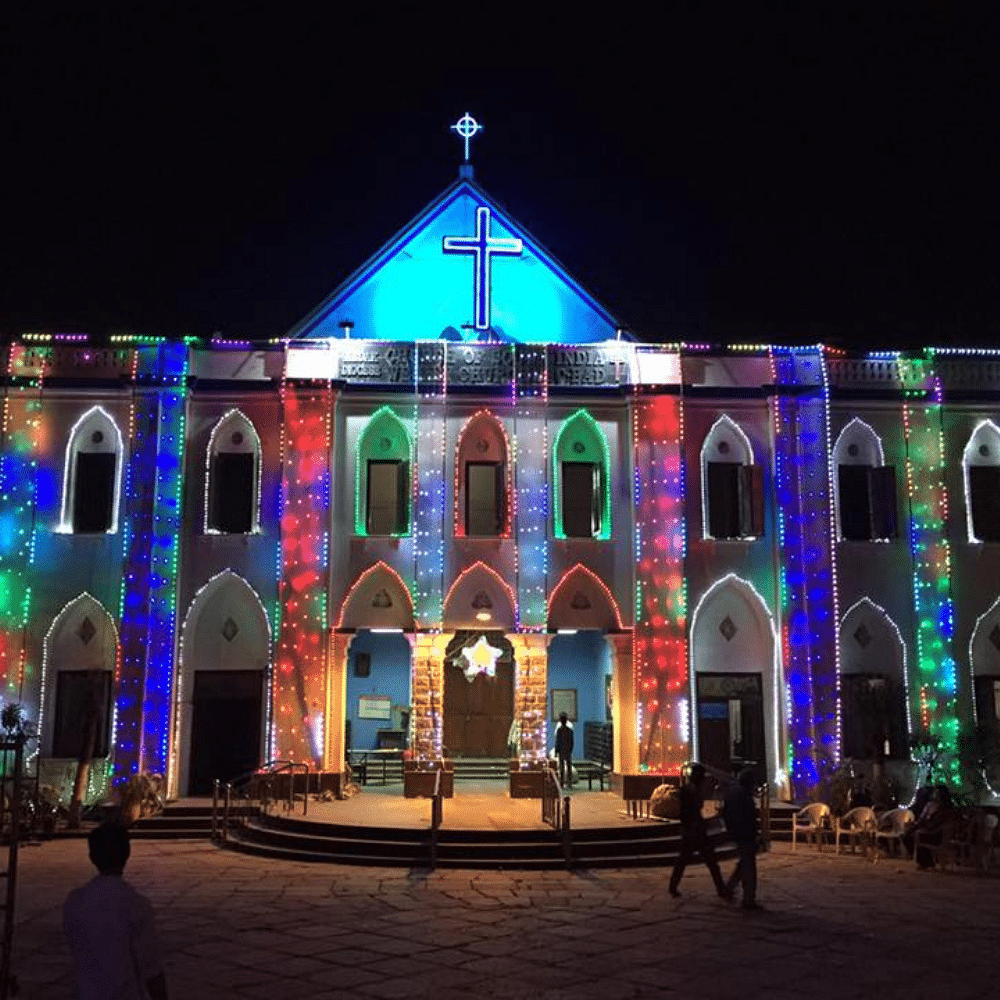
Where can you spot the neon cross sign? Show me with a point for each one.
(467, 127)
(483, 247)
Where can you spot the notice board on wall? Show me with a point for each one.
(375, 706)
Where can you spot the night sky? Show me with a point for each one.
(821, 177)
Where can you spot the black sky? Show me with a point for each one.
(827, 176)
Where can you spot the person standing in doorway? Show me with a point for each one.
(110, 929)
(694, 833)
(564, 751)
(740, 813)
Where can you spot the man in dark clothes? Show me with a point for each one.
(564, 750)
(740, 813)
(694, 833)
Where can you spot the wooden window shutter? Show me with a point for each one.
(984, 497)
(724, 499)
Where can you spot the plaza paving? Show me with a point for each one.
(238, 926)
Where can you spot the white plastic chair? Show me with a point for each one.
(893, 827)
(858, 826)
(812, 821)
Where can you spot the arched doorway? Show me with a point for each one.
(76, 718)
(478, 694)
(984, 650)
(734, 678)
(222, 696)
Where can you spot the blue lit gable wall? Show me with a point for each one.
(413, 289)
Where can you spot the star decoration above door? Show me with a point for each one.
(481, 658)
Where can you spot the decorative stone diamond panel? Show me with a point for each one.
(995, 635)
(862, 636)
(727, 628)
(86, 631)
(229, 630)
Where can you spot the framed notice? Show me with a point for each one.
(375, 706)
(564, 700)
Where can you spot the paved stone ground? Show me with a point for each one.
(236, 926)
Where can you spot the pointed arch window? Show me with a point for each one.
(981, 462)
(92, 475)
(482, 479)
(382, 503)
(865, 486)
(732, 487)
(581, 472)
(232, 492)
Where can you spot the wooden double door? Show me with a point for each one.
(477, 713)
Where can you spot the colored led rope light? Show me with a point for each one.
(483, 419)
(382, 424)
(233, 420)
(172, 362)
(531, 486)
(593, 431)
(22, 436)
(300, 660)
(935, 669)
(660, 644)
(808, 556)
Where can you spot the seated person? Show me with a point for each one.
(937, 815)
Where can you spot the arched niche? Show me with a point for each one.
(232, 477)
(581, 476)
(984, 657)
(981, 476)
(223, 685)
(480, 599)
(864, 488)
(732, 503)
(80, 656)
(378, 598)
(581, 600)
(382, 499)
(873, 687)
(482, 479)
(734, 657)
(92, 470)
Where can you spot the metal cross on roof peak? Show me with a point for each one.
(467, 127)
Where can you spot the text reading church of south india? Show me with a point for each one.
(457, 499)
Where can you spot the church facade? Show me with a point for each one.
(456, 500)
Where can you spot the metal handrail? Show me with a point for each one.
(555, 811)
(13, 804)
(252, 781)
(437, 814)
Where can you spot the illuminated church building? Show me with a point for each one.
(456, 499)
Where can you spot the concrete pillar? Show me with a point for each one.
(531, 673)
(623, 709)
(336, 701)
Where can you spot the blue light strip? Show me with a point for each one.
(171, 360)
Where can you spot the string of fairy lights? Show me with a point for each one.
(152, 457)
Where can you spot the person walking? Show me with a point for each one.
(694, 833)
(110, 928)
(564, 750)
(740, 814)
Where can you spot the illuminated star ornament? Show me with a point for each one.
(467, 127)
(481, 658)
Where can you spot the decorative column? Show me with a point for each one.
(935, 674)
(531, 662)
(335, 750)
(660, 648)
(623, 708)
(300, 667)
(150, 529)
(22, 438)
(808, 578)
(531, 465)
(427, 694)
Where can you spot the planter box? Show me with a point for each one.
(419, 778)
(527, 782)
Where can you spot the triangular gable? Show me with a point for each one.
(415, 288)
